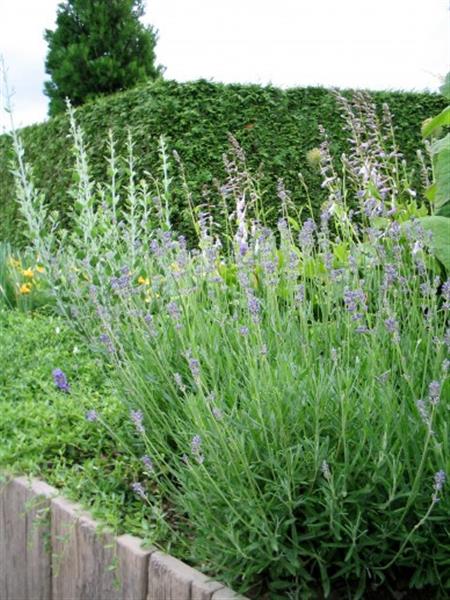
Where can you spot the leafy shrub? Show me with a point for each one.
(276, 128)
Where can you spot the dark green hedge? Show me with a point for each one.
(275, 127)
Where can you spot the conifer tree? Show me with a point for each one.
(98, 47)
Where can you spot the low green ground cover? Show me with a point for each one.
(44, 432)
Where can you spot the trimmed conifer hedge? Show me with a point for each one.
(275, 127)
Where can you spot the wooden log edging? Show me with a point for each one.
(51, 549)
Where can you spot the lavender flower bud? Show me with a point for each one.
(148, 463)
(139, 490)
(434, 393)
(60, 380)
(137, 418)
(91, 415)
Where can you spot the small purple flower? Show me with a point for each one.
(60, 380)
(106, 340)
(179, 382)
(392, 326)
(244, 330)
(91, 416)
(137, 418)
(424, 414)
(447, 338)
(361, 329)
(196, 449)
(306, 235)
(254, 307)
(243, 248)
(175, 313)
(434, 393)
(217, 413)
(138, 489)
(194, 366)
(390, 275)
(299, 294)
(148, 318)
(148, 463)
(325, 468)
(196, 444)
(446, 294)
(355, 300)
(121, 284)
(439, 481)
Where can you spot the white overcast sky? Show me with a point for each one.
(375, 44)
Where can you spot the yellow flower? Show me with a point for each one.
(143, 280)
(175, 267)
(28, 273)
(25, 288)
(40, 269)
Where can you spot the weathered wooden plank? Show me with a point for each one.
(170, 579)
(203, 588)
(132, 567)
(227, 594)
(83, 559)
(25, 557)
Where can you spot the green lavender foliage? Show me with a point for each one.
(290, 390)
(276, 128)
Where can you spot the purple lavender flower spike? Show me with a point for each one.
(195, 444)
(194, 365)
(138, 490)
(392, 327)
(60, 380)
(106, 340)
(148, 463)
(217, 413)
(91, 416)
(446, 294)
(306, 235)
(137, 417)
(439, 481)
(434, 393)
(253, 307)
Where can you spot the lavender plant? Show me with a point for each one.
(288, 390)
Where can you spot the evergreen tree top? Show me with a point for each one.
(98, 47)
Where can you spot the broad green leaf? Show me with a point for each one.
(431, 125)
(341, 252)
(445, 87)
(444, 210)
(442, 172)
(293, 223)
(440, 145)
(431, 192)
(440, 243)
